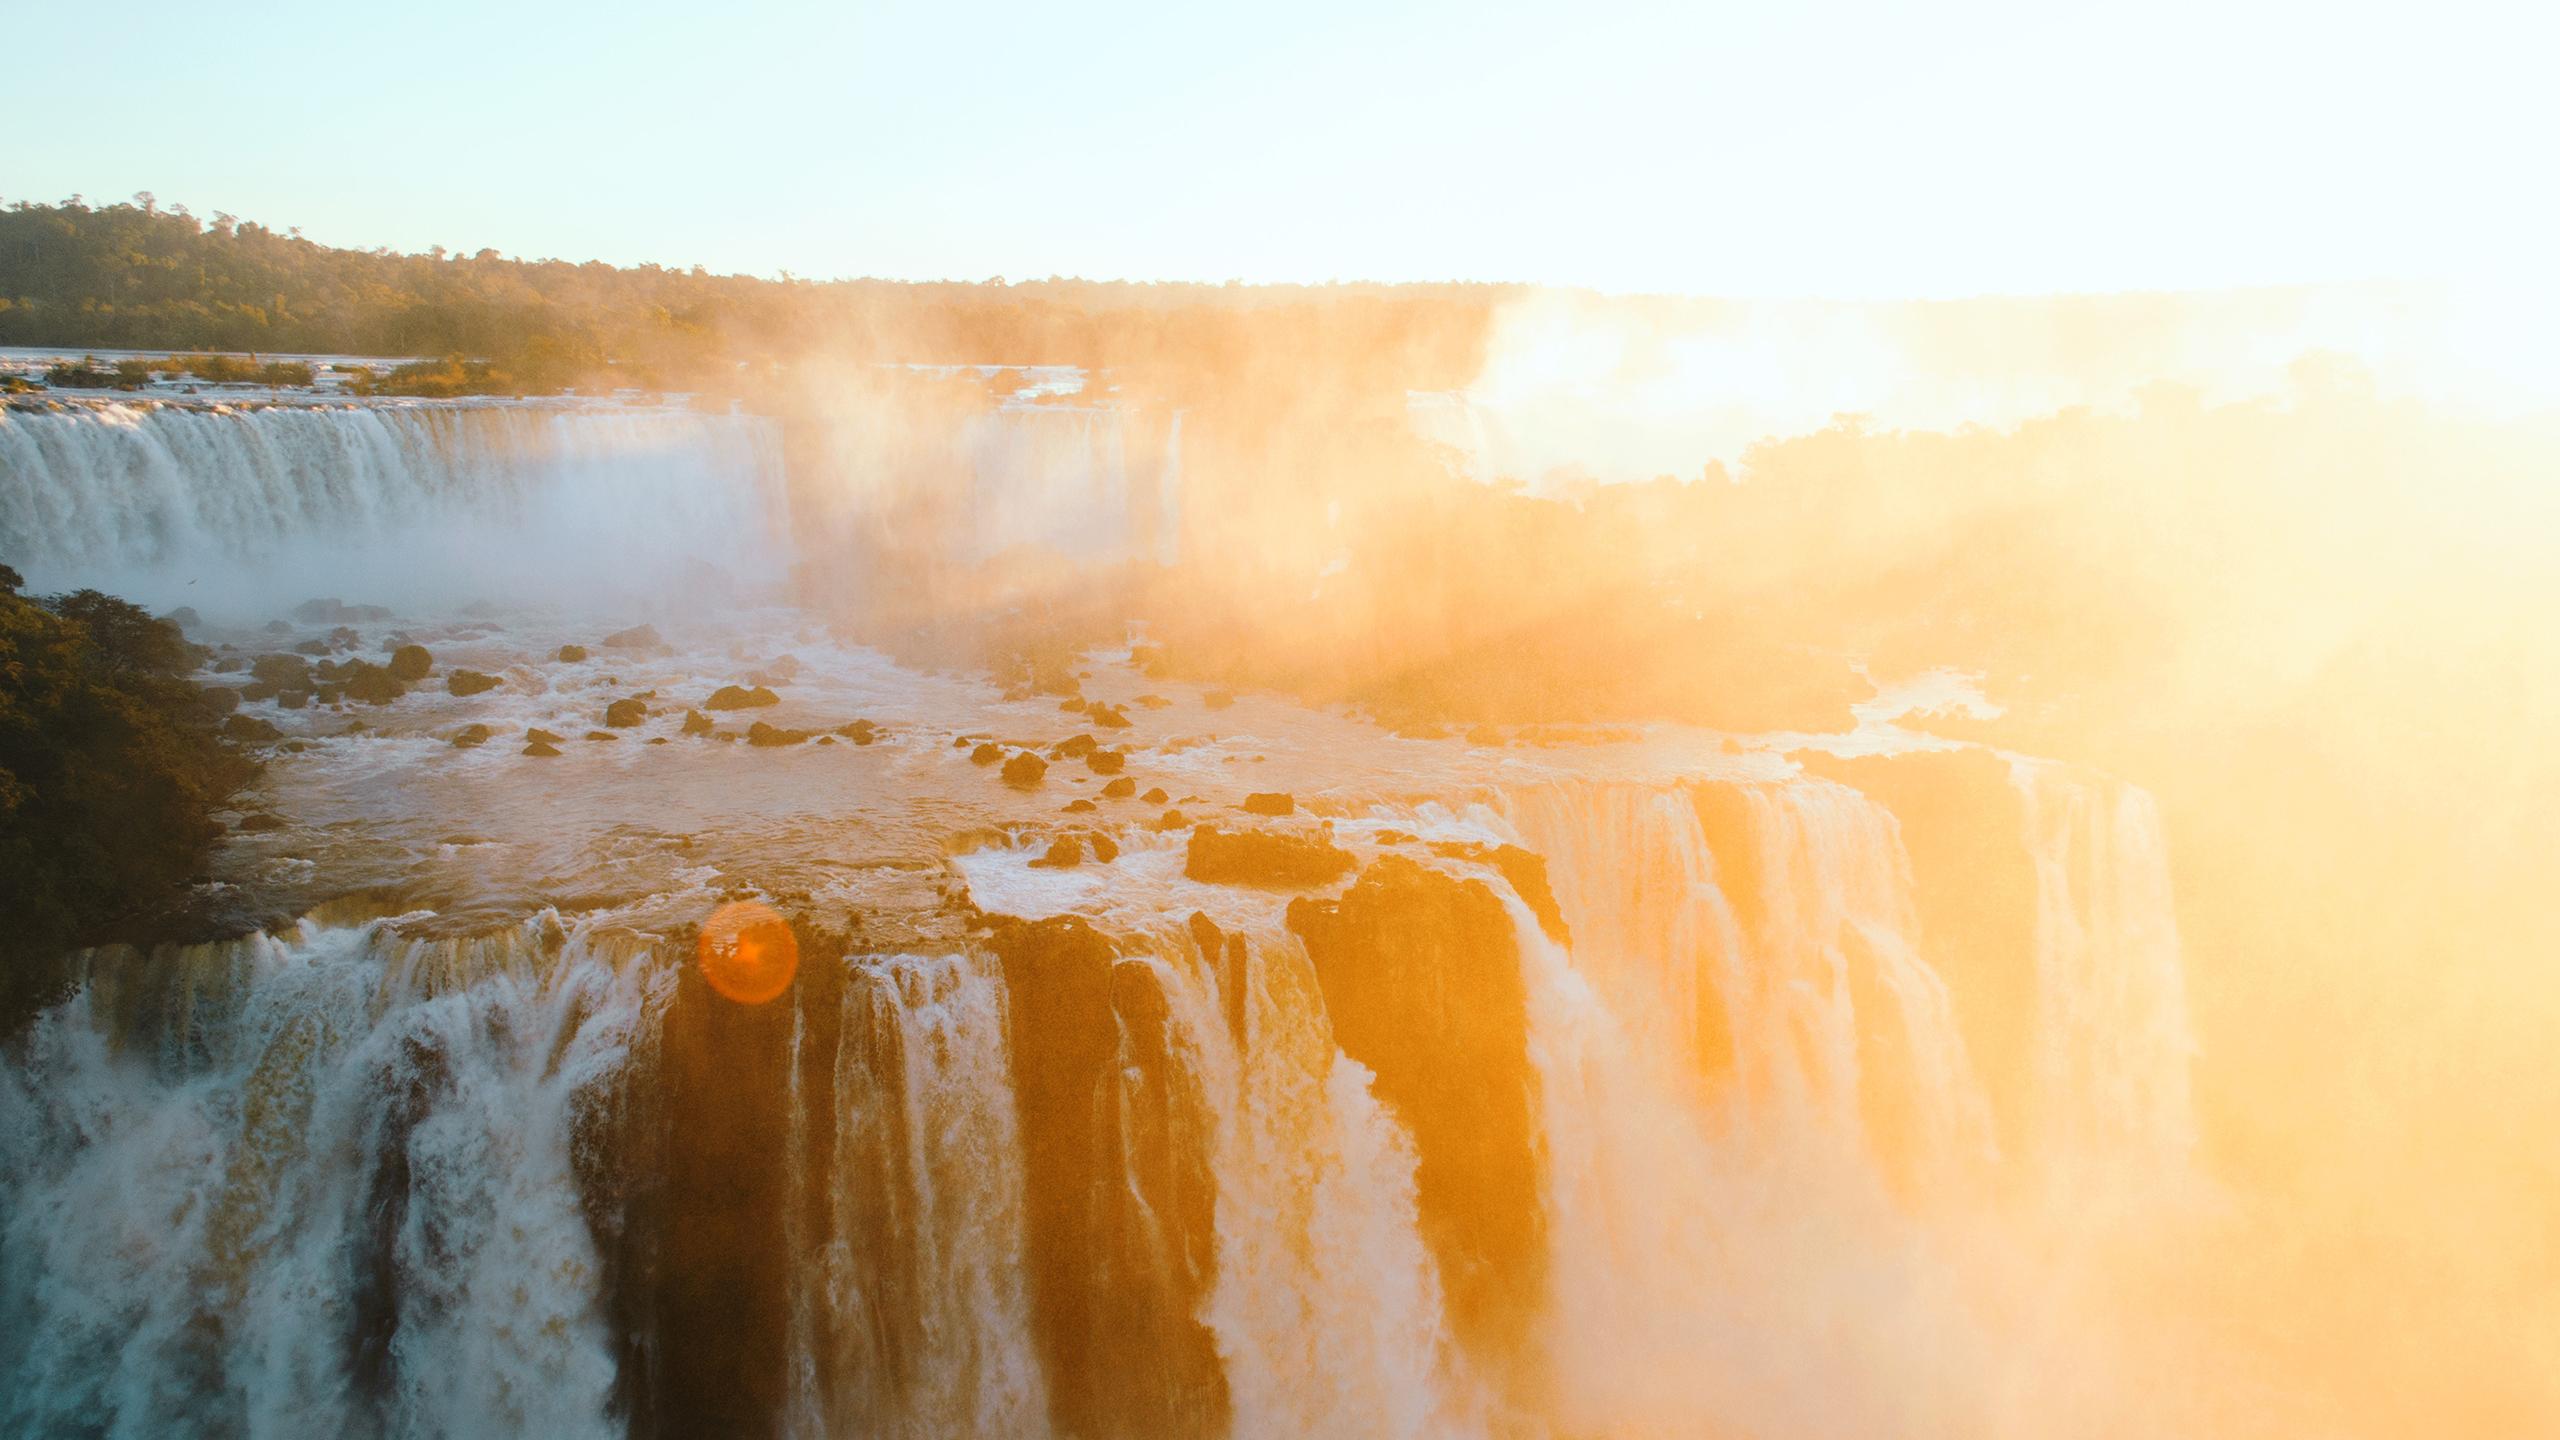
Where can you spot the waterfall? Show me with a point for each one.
(242, 513)
(324, 1182)
(1326, 1307)
(911, 1317)
(2112, 1042)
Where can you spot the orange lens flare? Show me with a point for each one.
(747, 953)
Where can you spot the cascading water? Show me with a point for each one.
(301, 1184)
(427, 506)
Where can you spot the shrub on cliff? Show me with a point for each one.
(110, 768)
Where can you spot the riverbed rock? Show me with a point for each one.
(259, 822)
(696, 723)
(470, 736)
(469, 682)
(1120, 789)
(570, 654)
(539, 736)
(1072, 747)
(369, 683)
(624, 714)
(1024, 769)
(1107, 762)
(1155, 796)
(773, 736)
(1270, 802)
(638, 637)
(1264, 857)
(541, 747)
(218, 699)
(1109, 717)
(739, 697)
(411, 663)
(987, 752)
(1064, 853)
(250, 728)
(860, 732)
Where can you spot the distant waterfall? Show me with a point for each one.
(2113, 1043)
(434, 507)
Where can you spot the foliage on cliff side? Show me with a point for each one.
(110, 767)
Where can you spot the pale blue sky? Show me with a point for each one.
(1851, 150)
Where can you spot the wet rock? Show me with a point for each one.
(411, 663)
(738, 697)
(230, 665)
(657, 739)
(1270, 802)
(1264, 857)
(624, 714)
(696, 723)
(292, 699)
(1421, 973)
(772, 736)
(370, 684)
(469, 682)
(469, 736)
(1080, 807)
(1073, 704)
(1109, 717)
(541, 747)
(540, 736)
(1120, 789)
(638, 637)
(328, 695)
(344, 638)
(312, 647)
(1225, 954)
(1072, 747)
(570, 654)
(1120, 1204)
(962, 742)
(218, 699)
(860, 732)
(1064, 853)
(250, 728)
(1155, 795)
(1024, 769)
(602, 735)
(1527, 873)
(987, 753)
(1169, 820)
(259, 822)
(1107, 762)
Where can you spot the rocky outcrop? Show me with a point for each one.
(1120, 1230)
(1421, 976)
(411, 663)
(738, 697)
(1264, 857)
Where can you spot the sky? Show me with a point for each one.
(1856, 151)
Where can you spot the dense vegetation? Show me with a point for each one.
(137, 276)
(110, 767)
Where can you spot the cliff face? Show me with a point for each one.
(1121, 1204)
(1421, 975)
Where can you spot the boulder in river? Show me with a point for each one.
(988, 752)
(1064, 853)
(1024, 769)
(860, 732)
(469, 736)
(1120, 789)
(696, 723)
(737, 697)
(370, 683)
(281, 670)
(469, 682)
(411, 662)
(1154, 796)
(1073, 746)
(1109, 717)
(571, 654)
(218, 699)
(250, 728)
(1106, 762)
(540, 736)
(258, 822)
(638, 637)
(770, 736)
(541, 747)
(1270, 802)
(624, 714)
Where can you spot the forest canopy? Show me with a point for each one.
(141, 276)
